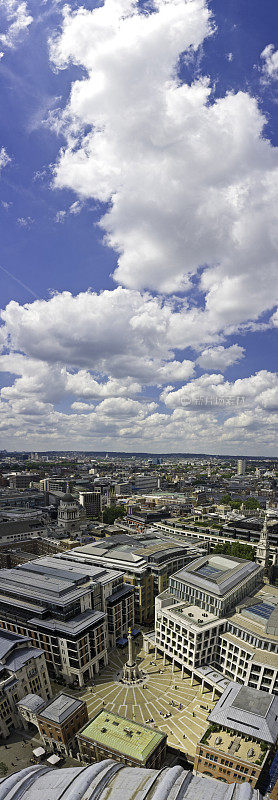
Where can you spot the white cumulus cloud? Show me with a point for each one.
(190, 180)
(220, 357)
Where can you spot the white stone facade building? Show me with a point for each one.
(242, 644)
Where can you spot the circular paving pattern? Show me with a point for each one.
(163, 700)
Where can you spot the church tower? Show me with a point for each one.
(262, 551)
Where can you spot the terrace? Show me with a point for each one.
(244, 748)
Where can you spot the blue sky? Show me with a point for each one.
(136, 160)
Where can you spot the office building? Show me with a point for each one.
(123, 488)
(138, 518)
(20, 499)
(71, 610)
(55, 607)
(248, 712)
(145, 483)
(216, 583)
(186, 635)
(28, 549)
(244, 531)
(147, 564)
(248, 646)
(92, 502)
(20, 530)
(22, 480)
(227, 621)
(111, 594)
(231, 758)
(55, 484)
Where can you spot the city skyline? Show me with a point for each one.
(138, 214)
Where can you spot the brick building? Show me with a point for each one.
(59, 722)
(231, 757)
(238, 745)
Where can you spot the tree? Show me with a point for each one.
(235, 549)
(110, 514)
(252, 503)
(226, 498)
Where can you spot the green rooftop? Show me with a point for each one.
(118, 733)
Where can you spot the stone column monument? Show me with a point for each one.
(131, 672)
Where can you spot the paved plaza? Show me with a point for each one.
(162, 692)
(17, 753)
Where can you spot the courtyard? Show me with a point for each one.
(161, 693)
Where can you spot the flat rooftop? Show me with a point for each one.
(123, 735)
(73, 563)
(234, 745)
(261, 610)
(193, 614)
(128, 548)
(71, 627)
(245, 700)
(44, 584)
(216, 574)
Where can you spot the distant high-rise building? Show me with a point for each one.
(146, 483)
(241, 465)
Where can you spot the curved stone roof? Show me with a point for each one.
(109, 779)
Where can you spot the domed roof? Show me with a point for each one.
(109, 778)
(67, 498)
